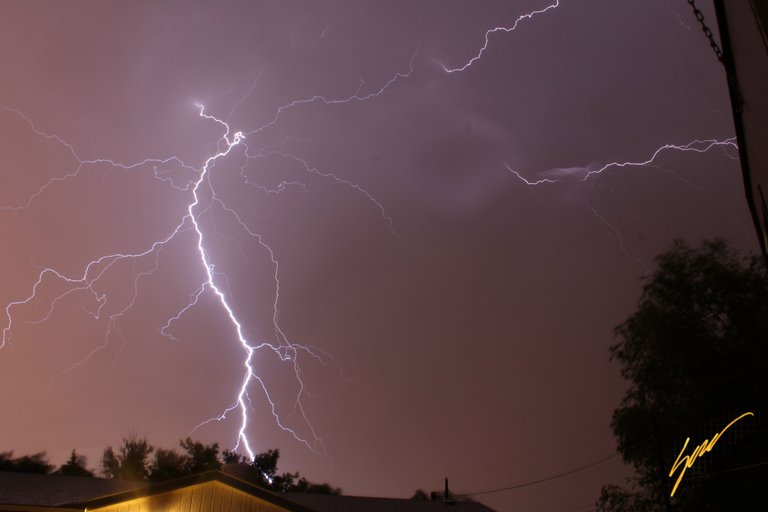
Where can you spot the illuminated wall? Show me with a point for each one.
(207, 496)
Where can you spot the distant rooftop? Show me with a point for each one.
(331, 503)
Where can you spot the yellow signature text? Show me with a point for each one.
(686, 461)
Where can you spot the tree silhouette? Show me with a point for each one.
(167, 465)
(132, 463)
(230, 457)
(75, 466)
(35, 463)
(262, 471)
(199, 457)
(266, 463)
(696, 356)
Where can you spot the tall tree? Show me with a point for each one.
(695, 353)
(75, 466)
(132, 463)
(167, 465)
(109, 463)
(199, 457)
(263, 472)
(230, 457)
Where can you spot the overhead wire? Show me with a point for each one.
(582, 468)
(541, 480)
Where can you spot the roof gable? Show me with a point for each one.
(193, 493)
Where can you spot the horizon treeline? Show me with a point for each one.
(136, 459)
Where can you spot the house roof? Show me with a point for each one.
(331, 503)
(189, 481)
(54, 490)
(29, 492)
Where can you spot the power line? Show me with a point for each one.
(504, 460)
(732, 470)
(541, 480)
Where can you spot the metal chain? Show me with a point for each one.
(700, 18)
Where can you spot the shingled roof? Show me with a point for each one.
(56, 490)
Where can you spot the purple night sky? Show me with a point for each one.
(450, 263)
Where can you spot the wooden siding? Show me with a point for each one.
(204, 497)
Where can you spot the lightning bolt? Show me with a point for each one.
(356, 96)
(587, 173)
(489, 32)
(620, 238)
(96, 269)
(196, 182)
(203, 199)
(695, 146)
(527, 181)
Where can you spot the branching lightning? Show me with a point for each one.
(203, 198)
(97, 268)
(697, 146)
(585, 173)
